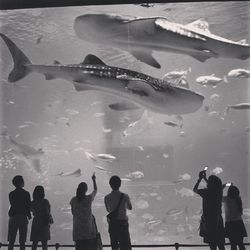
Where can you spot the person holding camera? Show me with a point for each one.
(116, 204)
(211, 226)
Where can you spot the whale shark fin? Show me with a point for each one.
(56, 62)
(92, 59)
(49, 77)
(140, 88)
(81, 87)
(123, 106)
(146, 57)
(200, 57)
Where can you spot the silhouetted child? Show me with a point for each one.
(40, 230)
(84, 228)
(19, 213)
(234, 226)
(118, 225)
(211, 227)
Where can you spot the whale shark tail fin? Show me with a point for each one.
(20, 60)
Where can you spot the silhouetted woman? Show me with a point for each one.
(40, 229)
(234, 227)
(84, 228)
(211, 229)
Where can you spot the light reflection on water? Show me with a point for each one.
(66, 124)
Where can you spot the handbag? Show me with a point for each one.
(113, 214)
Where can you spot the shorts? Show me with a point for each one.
(18, 223)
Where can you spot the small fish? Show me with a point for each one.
(102, 169)
(217, 170)
(184, 177)
(166, 156)
(239, 73)
(210, 80)
(141, 148)
(23, 126)
(106, 157)
(75, 173)
(174, 212)
(135, 175)
(106, 130)
(126, 179)
(185, 192)
(90, 156)
(72, 112)
(38, 40)
(215, 97)
(97, 115)
(176, 74)
(239, 106)
(182, 134)
(171, 124)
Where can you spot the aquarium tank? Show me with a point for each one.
(165, 92)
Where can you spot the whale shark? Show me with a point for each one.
(136, 90)
(141, 36)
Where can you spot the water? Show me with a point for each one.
(66, 123)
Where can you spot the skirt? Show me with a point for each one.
(235, 229)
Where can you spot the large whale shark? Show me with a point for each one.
(136, 90)
(141, 36)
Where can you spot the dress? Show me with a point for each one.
(40, 229)
(83, 223)
(211, 206)
(234, 226)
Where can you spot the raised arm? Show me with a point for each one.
(202, 174)
(94, 185)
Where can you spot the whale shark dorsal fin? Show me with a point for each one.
(92, 59)
(243, 41)
(56, 62)
(146, 57)
(200, 24)
(123, 106)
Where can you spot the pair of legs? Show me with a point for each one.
(88, 244)
(119, 235)
(239, 242)
(17, 223)
(44, 245)
(214, 246)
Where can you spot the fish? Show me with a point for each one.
(135, 175)
(184, 177)
(140, 89)
(176, 74)
(171, 124)
(238, 106)
(102, 169)
(75, 173)
(29, 155)
(185, 192)
(140, 36)
(239, 73)
(174, 212)
(210, 80)
(90, 156)
(106, 157)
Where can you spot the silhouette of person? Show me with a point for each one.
(234, 227)
(40, 229)
(211, 206)
(19, 213)
(84, 228)
(118, 227)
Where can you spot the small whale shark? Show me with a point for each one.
(141, 36)
(137, 90)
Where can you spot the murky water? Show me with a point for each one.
(158, 160)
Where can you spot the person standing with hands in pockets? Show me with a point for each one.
(116, 204)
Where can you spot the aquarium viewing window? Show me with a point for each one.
(151, 92)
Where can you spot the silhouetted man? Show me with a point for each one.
(19, 213)
(118, 226)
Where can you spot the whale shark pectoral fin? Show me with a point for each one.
(201, 57)
(49, 77)
(140, 87)
(123, 106)
(92, 59)
(146, 57)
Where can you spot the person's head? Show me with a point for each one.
(233, 192)
(38, 193)
(81, 190)
(214, 183)
(18, 181)
(115, 182)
